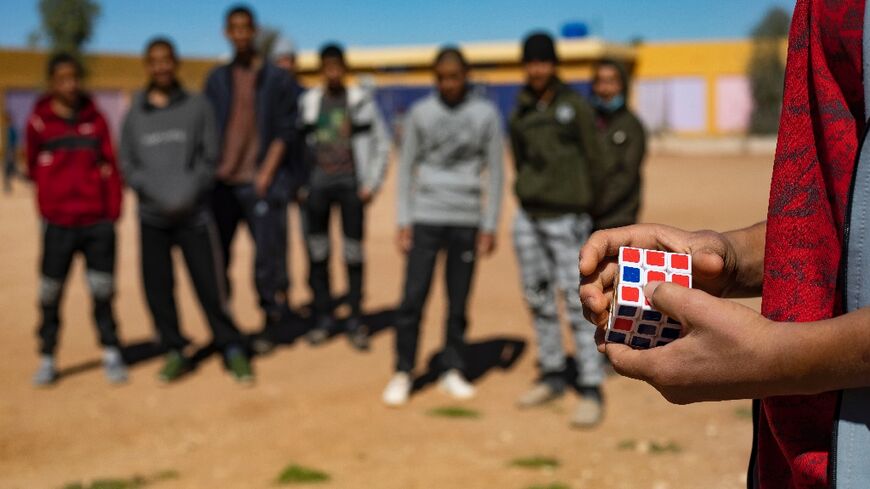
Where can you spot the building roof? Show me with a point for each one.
(477, 53)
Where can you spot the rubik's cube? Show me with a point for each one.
(632, 320)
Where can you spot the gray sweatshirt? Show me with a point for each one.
(168, 156)
(445, 152)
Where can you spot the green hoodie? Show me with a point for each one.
(624, 142)
(557, 152)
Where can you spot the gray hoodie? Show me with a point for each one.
(445, 150)
(168, 156)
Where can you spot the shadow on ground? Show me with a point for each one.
(480, 357)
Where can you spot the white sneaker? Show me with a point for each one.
(398, 390)
(455, 385)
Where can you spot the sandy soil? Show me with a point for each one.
(320, 407)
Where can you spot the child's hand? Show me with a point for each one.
(727, 351)
(486, 244)
(714, 262)
(405, 239)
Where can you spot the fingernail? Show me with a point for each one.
(650, 289)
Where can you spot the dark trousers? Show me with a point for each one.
(267, 222)
(10, 171)
(198, 240)
(319, 207)
(60, 245)
(460, 245)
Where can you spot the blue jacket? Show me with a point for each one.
(275, 115)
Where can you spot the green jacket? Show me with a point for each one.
(558, 156)
(624, 142)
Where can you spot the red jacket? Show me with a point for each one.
(822, 121)
(73, 165)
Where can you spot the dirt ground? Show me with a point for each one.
(320, 407)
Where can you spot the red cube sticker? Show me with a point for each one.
(623, 324)
(684, 280)
(629, 294)
(630, 255)
(655, 276)
(655, 258)
(679, 262)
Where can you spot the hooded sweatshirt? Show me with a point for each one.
(444, 152)
(169, 154)
(72, 163)
(618, 200)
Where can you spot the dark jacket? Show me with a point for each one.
(295, 157)
(624, 141)
(557, 153)
(275, 114)
(169, 155)
(72, 163)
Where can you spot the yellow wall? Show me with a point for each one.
(706, 59)
(499, 63)
(26, 69)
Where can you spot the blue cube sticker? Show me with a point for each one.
(626, 311)
(647, 329)
(639, 342)
(631, 274)
(616, 337)
(670, 333)
(653, 316)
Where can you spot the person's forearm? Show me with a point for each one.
(748, 246)
(274, 158)
(824, 355)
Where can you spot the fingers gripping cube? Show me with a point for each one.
(633, 321)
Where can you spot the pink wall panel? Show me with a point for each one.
(733, 103)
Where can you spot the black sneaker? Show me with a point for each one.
(321, 332)
(357, 334)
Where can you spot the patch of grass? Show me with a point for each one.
(669, 447)
(554, 485)
(297, 474)
(135, 482)
(454, 412)
(536, 462)
(652, 447)
(627, 445)
(743, 412)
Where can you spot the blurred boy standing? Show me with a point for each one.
(618, 201)
(349, 145)
(168, 153)
(252, 101)
(559, 159)
(284, 57)
(450, 186)
(72, 164)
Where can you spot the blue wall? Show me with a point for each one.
(396, 100)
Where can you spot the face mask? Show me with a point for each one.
(610, 106)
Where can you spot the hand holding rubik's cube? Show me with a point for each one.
(632, 320)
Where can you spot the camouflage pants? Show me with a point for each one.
(547, 250)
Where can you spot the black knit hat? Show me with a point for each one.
(539, 46)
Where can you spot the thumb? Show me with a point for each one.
(681, 303)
